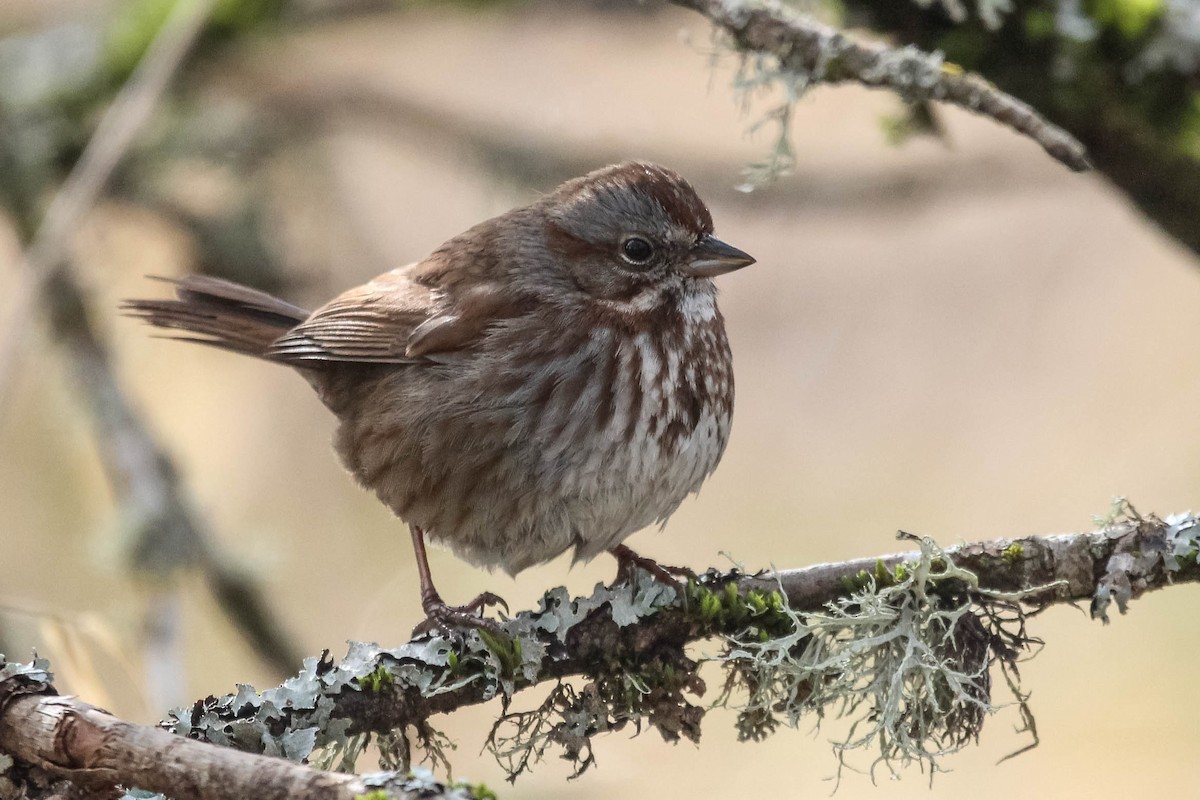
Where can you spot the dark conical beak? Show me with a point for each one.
(712, 257)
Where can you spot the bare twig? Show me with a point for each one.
(118, 129)
(822, 54)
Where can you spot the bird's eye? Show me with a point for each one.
(636, 250)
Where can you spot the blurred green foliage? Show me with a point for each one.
(1132, 18)
(137, 22)
(47, 115)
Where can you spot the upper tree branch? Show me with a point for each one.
(822, 54)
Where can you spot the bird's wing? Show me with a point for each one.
(369, 323)
(407, 316)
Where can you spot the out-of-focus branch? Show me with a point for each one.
(821, 54)
(1125, 86)
(166, 532)
(118, 128)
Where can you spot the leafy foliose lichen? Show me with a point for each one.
(1148, 552)
(905, 653)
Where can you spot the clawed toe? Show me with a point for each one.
(439, 616)
(628, 561)
(485, 600)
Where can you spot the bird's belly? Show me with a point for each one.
(592, 495)
(549, 466)
(614, 492)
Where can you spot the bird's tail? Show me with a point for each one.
(219, 313)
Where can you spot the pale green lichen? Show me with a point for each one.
(905, 653)
(374, 794)
(421, 783)
(303, 720)
(907, 660)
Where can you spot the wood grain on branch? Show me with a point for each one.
(66, 739)
(70, 739)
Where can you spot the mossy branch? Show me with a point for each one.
(807, 52)
(903, 645)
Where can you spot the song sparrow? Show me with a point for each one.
(556, 377)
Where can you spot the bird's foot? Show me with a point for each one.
(628, 561)
(439, 616)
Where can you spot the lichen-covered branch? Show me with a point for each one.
(47, 741)
(812, 52)
(904, 642)
(1122, 77)
(1117, 563)
(904, 645)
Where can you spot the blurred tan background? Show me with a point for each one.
(962, 340)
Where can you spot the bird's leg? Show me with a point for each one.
(628, 561)
(437, 613)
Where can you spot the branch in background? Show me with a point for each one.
(1121, 77)
(166, 533)
(809, 52)
(903, 644)
(115, 134)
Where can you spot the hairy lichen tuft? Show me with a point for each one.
(906, 656)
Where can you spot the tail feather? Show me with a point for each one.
(221, 314)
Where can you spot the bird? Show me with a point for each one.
(553, 379)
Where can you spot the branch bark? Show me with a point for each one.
(819, 53)
(627, 632)
(72, 740)
(65, 739)
(1092, 75)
